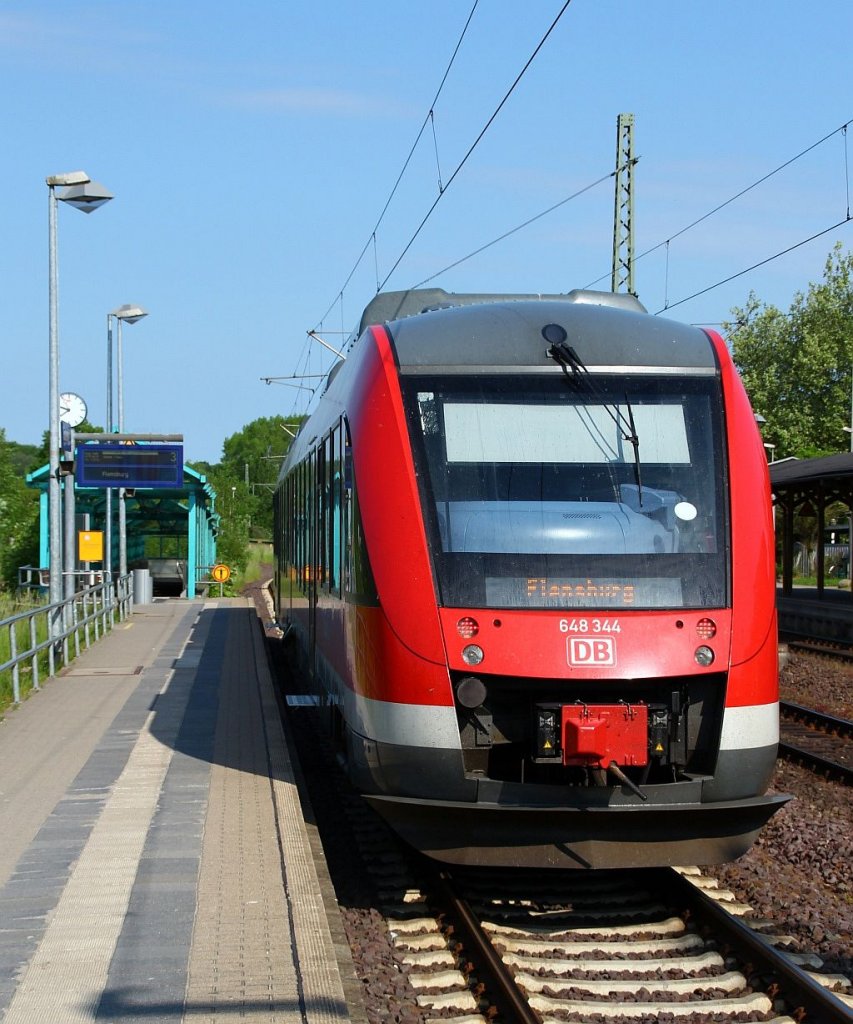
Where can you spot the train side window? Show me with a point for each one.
(362, 586)
(298, 524)
(335, 512)
(346, 503)
(320, 520)
(303, 527)
(307, 511)
(310, 521)
(328, 511)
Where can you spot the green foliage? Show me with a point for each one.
(19, 510)
(246, 477)
(42, 453)
(23, 458)
(797, 366)
(244, 482)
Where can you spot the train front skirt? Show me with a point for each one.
(503, 835)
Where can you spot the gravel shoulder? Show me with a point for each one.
(800, 871)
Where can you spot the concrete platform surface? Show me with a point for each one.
(154, 860)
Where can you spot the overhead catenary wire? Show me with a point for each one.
(443, 187)
(477, 141)
(519, 227)
(755, 266)
(427, 119)
(783, 252)
(842, 129)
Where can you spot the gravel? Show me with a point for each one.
(799, 873)
(822, 683)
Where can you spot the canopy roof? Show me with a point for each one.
(799, 472)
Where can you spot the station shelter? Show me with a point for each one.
(814, 502)
(172, 531)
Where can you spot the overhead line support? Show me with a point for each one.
(622, 278)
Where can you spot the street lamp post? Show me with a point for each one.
(77, 189)
(108, 498)
(131, 315)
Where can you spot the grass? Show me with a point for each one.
(811, 581)
(260, 555)
(9, 606)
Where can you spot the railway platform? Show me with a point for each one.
(826, 615)
(155, 861)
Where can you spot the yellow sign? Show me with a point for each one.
(90, 545)
(221, 573)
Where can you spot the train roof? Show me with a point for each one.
(441, 330)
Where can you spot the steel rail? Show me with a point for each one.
(799, 989)
(829, 723)
(821, 765)
(825, 648)
(501, 988)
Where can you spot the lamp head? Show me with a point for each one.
(87, 196)
(130, 314)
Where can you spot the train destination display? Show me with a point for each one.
(549, 592)
(133, 465)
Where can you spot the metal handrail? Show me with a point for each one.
(91, 612)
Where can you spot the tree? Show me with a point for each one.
(19, 512)
(250, 465)
(797, 366)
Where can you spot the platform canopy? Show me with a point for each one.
(176, 524)
(807, 487)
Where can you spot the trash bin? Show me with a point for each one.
(143, 586)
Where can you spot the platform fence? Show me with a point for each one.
(35, 643)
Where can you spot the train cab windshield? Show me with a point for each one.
(541, 493)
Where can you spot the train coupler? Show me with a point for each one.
(592, 735)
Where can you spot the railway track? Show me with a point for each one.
(520, 948)
(815, 645)
(473, 945)
(469, 945)
(634, 946)
(820, 742)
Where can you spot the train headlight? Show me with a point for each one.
(472, 654)
(467, 628)
(704, 656)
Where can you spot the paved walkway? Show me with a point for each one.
(154, 861)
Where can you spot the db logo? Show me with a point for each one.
(585, 651)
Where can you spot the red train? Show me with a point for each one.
(525, 554)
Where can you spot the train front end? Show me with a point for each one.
(596, 507)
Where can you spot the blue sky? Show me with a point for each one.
(252, 147)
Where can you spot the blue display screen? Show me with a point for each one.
(131, 465)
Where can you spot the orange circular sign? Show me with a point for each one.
(221, 573)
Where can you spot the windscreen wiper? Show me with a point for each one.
(573, 366)
(635, 444)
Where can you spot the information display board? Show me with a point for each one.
(130, 465)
